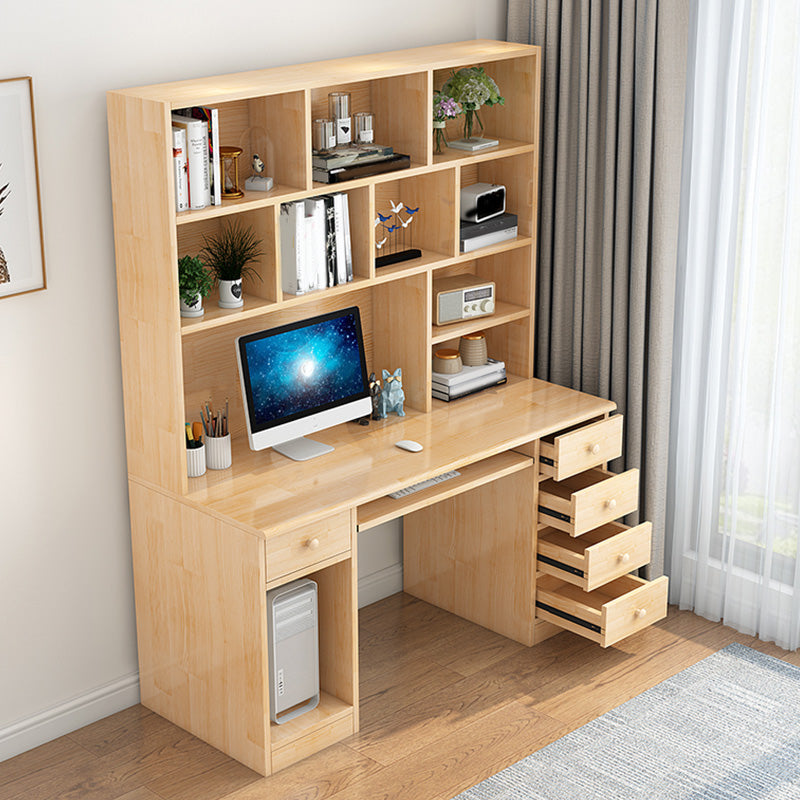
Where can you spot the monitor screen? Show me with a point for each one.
(299, 370)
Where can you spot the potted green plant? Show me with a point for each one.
(229, 255)
(194, 283)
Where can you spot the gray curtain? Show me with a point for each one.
(612, 131)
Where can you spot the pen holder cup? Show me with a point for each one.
(218, 452)
(196, 461)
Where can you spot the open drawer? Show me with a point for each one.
(597, 557)
(586, 501)
(565, 454)
(606, 615)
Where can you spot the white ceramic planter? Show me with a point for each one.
(194, 309)
(230, 294)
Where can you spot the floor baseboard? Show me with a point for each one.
(66, 717)
(380, 584)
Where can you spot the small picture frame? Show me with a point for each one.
(21, 241)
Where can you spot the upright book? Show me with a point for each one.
(196, 131)
(293, 247)
(211, 117)
(179, 165)
(316, 264)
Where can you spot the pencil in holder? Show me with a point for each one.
(218, 452)
(196, 461)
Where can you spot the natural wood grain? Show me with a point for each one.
(473, 554)
(265, 491)
(62, 756)
(300, 548)
(618, 608)
(119, 730)
(201, 614)
(546, 691)
(203, 91)
(317, 777)
(203, 784)
(128, 769)
(589, 499)
(582, 448)
(472, 476)
(600, 555)
(142, 186)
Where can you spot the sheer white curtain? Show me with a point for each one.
(734, 500)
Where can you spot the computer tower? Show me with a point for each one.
(293, 642)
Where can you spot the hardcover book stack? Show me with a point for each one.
(468, 381)
(356, 161)
(195, 152)
(316, 251)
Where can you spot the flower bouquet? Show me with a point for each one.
(472, 88)
(444, 108)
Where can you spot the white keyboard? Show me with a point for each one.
(418, 487)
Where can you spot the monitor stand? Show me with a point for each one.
(302, 449)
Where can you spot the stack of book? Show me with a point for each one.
(356, 161)
(468, 381)
(316, 252)
(195, 155)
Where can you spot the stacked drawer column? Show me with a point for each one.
(584, 556)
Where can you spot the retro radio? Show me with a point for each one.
(461, 297)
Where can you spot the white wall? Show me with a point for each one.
(67, 629)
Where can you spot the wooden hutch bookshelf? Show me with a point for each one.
(207, 549)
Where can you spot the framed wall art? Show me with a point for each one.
(21, 243)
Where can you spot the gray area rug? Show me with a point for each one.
(727, 728)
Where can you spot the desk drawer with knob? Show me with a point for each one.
(585, 501)
(566, 454)
(597, 557)
(607, 614)
(308, 545)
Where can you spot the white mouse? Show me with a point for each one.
(408, 444)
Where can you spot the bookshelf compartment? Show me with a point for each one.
(516, 120)
(401, 312)
(259, 290)
(360, 219)
(509, 331)
(432, 229)
(335, 716)
(400, 108)
(274, 127)
(517, 174)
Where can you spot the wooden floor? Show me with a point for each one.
(444, 704)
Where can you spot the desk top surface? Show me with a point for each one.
(268, 492)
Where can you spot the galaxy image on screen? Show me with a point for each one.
(303, 370)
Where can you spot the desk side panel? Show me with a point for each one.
(473, 555)
(201, 624)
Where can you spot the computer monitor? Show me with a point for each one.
(303, 377)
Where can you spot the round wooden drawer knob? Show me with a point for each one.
(595, 448)
(624, 558)
(611, 504)
(312, 544)
(640, 612)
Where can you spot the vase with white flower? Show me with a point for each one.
(444, 108)
(473, 89)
